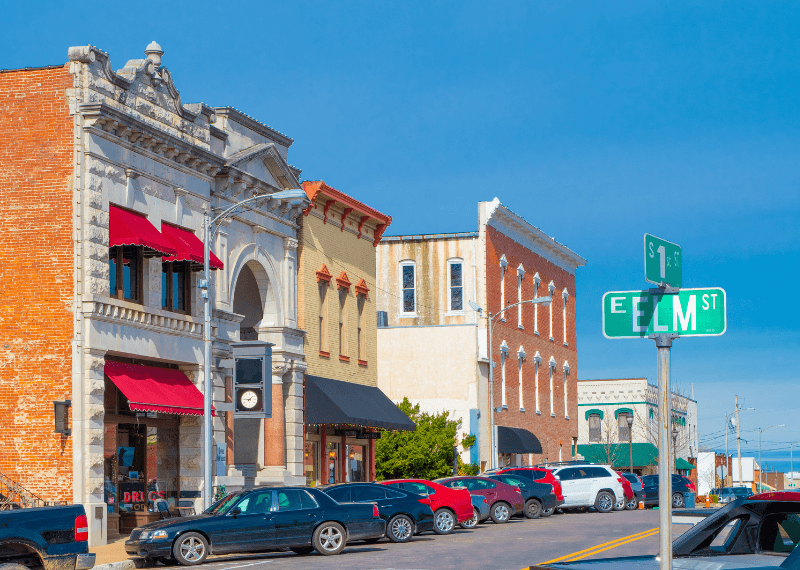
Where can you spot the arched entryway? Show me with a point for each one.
(254, 297)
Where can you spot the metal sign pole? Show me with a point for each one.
(207, 482)
(664, 344)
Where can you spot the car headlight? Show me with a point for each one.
(150, 534)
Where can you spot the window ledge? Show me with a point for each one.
(324, 354)
(536, 333)
(504, 406)
(362, 362)
(344, 358)
(566, 344)
(455, 313)
(539, 412)
(522, 409)
(551, 338)
(552, 415)
(566, 417)
(407, 316)
(521, 327)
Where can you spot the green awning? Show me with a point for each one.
(619, 454)
(683, 464)
(590, 412)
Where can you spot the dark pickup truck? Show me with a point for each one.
(47, 538)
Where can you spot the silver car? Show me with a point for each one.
(760, 532)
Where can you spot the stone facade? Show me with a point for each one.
(83, 137)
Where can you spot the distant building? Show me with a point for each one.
(603, 433)
(433, 345)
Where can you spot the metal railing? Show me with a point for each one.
(15, 496)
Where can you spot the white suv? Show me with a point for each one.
(589, 485)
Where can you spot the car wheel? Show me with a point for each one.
(677, 500)
(501, 512)
(633, 504)
(190, 549)
(604, 503)
(473, 522)
(400, 529)
(444, 521)
(620, 505)
(533, 509)
(329, 538)
(302, 550)
(548, 512)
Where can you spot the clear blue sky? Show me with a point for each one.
(597, 121)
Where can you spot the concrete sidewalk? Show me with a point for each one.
(112, 556)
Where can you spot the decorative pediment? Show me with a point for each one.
(342, 282)
(327, 197)
(324, 275)
(361, 287)
(278, 168)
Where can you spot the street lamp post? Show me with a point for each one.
(489, 320)
(629, 419)
(208, 235)
(760, 431)
(675, 448)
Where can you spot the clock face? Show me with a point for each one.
(248, 399)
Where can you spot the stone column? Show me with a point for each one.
(293, 402)
(274, 428)
(290, 278)
(94, 429)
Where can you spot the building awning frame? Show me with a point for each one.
(517, 440)
(134, 229)
(189, 247)
(332, 402)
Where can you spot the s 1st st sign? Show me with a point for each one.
(663, 261)
(638, 314)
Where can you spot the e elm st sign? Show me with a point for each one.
(639, 314)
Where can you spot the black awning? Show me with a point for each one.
(517, 440)
(336, 402)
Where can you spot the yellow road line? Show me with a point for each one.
(615, 545)
(607, 545)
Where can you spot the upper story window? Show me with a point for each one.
(176, 286)
(323, 316)
(455, 285)
(126, 272)
(343, 329)
(408, 285)
(565, 297)
(520, 278)
(362, 328)
(624, 430)
(503, 267)
(594, 428)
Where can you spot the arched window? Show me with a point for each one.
(594, 427)
(520, 360)
(536, 281)
(503, 357)
(503, 267)
(552, 289)
(520, 278)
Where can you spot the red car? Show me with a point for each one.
(450, 506)
(627, 489)
(540, 475)
(504, 500)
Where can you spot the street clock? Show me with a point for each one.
(252, 379)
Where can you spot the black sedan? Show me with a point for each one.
(680, 485)
(257, 520)
(405, 513)
(539, 497)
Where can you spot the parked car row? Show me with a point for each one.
(326, 518)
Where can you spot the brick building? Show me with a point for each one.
(105, 181)
(336, 289)
(433, 348)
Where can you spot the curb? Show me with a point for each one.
(123, 565)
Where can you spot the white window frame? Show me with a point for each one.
(552, 366)
(537, 359)
(536, 281)
(552, 288)
(566, 400)
(503, 358)
(450, 310)
(520, 359)
(503, 267)
(565, 297)
(407, 263)
(520, 279)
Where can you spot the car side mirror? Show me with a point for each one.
(235, 511)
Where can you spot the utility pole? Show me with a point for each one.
(791, 468)
(738, 441)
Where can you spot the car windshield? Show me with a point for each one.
(223, 504)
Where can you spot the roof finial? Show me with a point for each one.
(154, 53)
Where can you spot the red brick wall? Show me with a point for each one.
(36, 273)
(551, 431)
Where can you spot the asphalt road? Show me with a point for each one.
(513, 546)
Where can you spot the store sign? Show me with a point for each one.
(369, 435)
(133, 496)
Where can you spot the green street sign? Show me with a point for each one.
(639, 314)
(663, 262)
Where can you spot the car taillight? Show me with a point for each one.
(691, 485)
(81, 529)
(375, 513)
(620, 479)
(425, 501)
(518, 490)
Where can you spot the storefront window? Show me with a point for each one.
(311, 462)
(355, 463)
(332, 457)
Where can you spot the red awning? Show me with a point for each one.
(152, 389)
(189, 246)
(131, 228)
